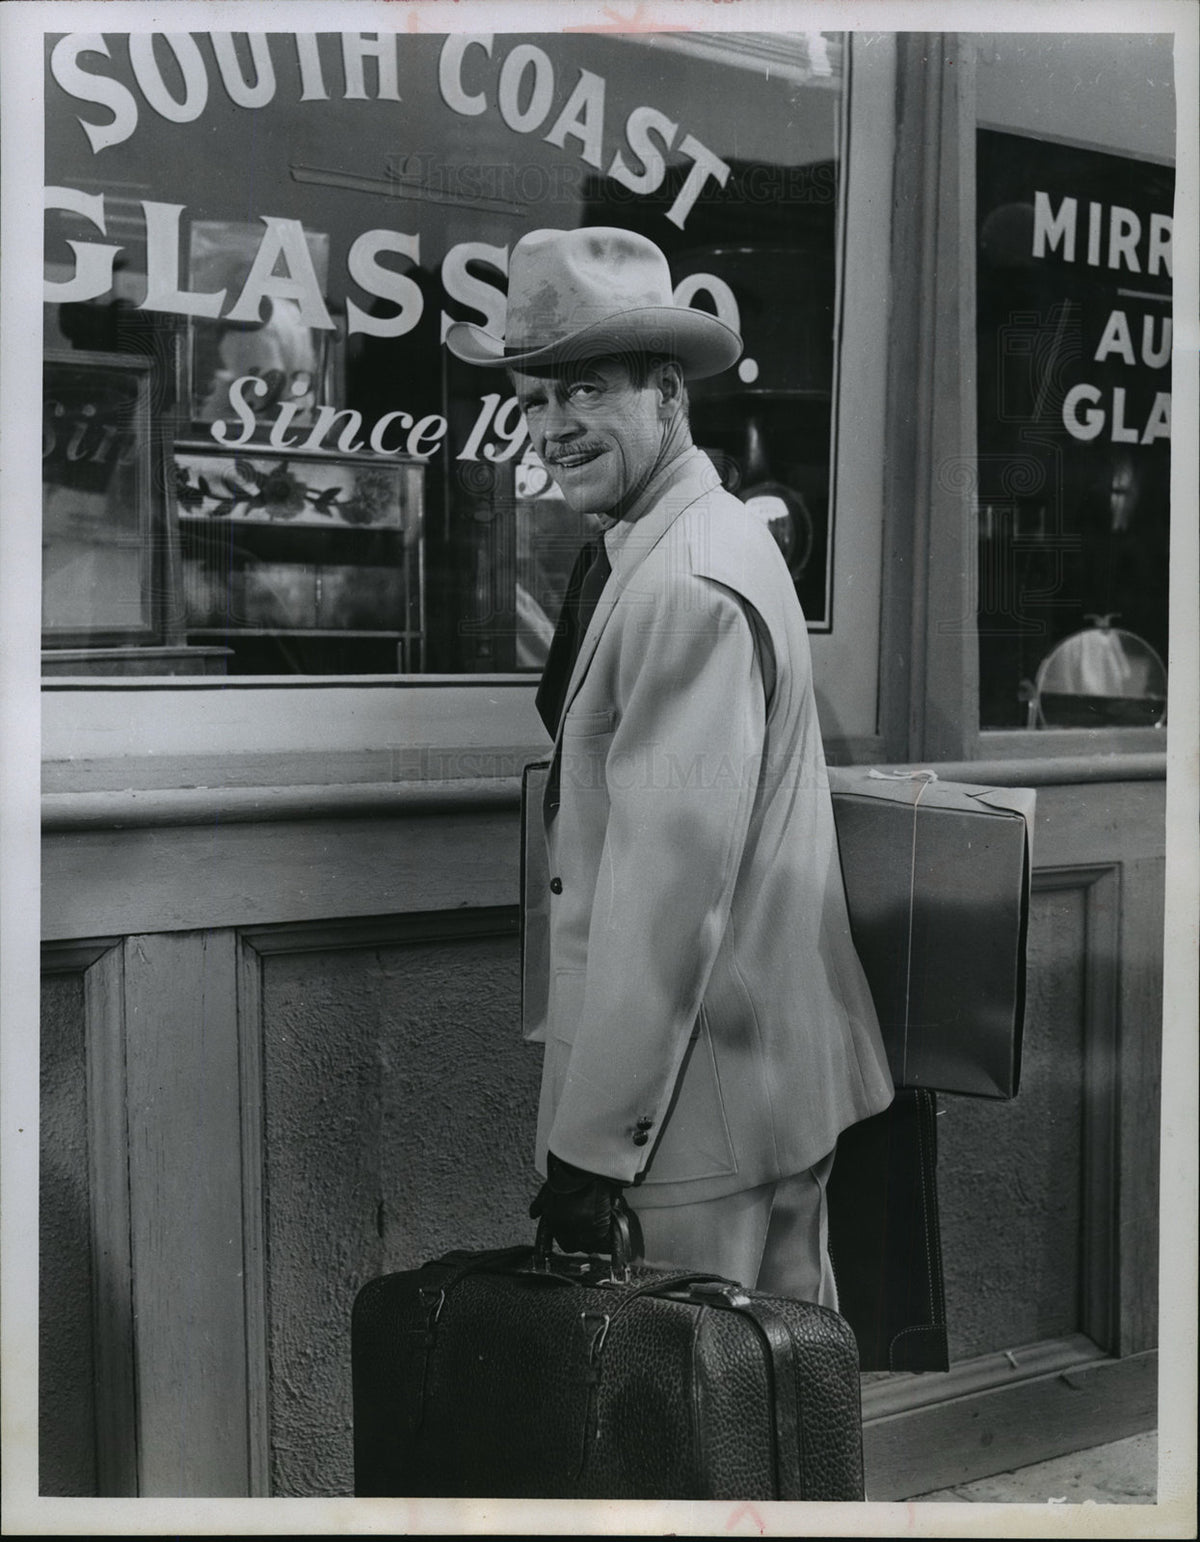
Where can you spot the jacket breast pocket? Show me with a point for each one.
(695, 1141)
(583, 753)
(587, 725)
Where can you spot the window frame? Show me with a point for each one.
(929, 700)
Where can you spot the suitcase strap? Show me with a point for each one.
(726, 1295)
(445, 1272)
(789, 1432)
(597, 1322)
(442, 1276)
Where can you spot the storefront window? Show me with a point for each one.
(1074, 399)
(259, 457)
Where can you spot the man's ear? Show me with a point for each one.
(670, 386)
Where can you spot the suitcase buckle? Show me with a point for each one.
(729, 1291)
(601, 1333)
(433, 1303)
(588, 1321)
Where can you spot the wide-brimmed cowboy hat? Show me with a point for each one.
(592, 293)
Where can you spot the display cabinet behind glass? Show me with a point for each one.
(302, 563)
(98, 546)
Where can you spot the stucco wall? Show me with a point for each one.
(1010, 1174)
(66, 1407)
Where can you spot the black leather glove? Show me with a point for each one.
(578, 1206)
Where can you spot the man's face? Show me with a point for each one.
(599, 434)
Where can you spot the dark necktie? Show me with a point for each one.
(587, 579)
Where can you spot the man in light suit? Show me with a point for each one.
(709, 1031)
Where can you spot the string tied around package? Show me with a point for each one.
(925, 777)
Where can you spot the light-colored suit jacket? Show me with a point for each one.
(709, 1027)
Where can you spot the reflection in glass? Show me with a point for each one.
(96, 538)
(278, 348)
(1100, 677)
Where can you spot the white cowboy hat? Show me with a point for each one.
(590, 293)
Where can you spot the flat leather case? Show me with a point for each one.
(535, 905)
(484, 1375)
(885, 1236)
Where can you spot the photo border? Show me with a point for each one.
(20, 145)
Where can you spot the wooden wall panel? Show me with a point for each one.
(398, 1113)
(1138, 1094)
(219, 874)
(275, 1115)
(991, 1416)
(87, 1415)
(186, 1208)
(67, 1458)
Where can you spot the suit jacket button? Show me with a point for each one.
(640, 1138)
(556, 886)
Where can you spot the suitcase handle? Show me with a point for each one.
(620, 1247)
(682, 1283)
(686, 1285)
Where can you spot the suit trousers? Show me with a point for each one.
(774, 1238)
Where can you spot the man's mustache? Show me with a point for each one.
(571, 452)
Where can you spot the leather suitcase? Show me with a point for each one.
(520, 1374)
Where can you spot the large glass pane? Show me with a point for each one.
(281, 227)
(1074, 323)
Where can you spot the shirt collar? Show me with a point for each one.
(667, 494)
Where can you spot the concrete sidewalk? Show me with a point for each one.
(1123, 1472)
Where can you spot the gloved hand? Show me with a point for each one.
(578, 1206)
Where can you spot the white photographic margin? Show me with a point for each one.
(21, 29)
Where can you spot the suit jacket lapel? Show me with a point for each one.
(628, 546)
